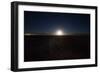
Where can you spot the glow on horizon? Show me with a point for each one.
(59, 32)
(28, 34)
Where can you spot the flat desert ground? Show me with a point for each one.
(44, 47)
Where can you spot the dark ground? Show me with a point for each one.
(44, 47)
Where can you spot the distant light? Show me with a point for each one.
(59, 32)
(28, 34)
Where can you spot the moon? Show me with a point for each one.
(59, 32)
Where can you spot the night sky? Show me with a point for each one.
(47, 22)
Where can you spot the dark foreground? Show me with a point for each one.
(42, 48)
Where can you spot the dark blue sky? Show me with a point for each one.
(45, 22)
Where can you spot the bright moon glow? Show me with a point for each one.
(59, 32)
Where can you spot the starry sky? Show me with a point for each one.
(49, 22)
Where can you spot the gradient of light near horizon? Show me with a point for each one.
(55, 23)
